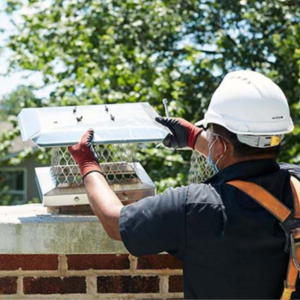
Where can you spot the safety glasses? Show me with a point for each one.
(212, 136)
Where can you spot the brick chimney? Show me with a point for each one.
(47, 256)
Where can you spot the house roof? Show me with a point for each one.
(17, 144)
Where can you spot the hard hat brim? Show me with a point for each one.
(201, 123)
(238, 127)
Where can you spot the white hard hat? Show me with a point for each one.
(252, 106)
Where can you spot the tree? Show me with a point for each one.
(11, 104)
(127, 51)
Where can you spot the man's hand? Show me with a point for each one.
(85, 155)
(184, 134)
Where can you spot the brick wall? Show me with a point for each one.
(93, 276)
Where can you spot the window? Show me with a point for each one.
(13, 186)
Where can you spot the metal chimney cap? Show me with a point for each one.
(112, 123)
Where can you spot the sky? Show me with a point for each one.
(9, 83)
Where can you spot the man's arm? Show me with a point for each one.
(105, 204)
(201, 144)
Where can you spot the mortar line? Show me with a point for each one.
(164, 284)
(133, 262)
(62, 264)
(98, 296)
(42, 273)
(20, 286)
(91, 286)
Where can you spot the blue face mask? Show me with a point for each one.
(214, 166)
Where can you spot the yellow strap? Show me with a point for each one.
(287, 293)
(264, 198)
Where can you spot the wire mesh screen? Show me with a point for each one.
(200, 169)
(116, 163)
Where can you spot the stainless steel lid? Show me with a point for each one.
(112, 123)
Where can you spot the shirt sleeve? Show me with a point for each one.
(155, 224)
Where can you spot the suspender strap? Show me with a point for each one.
(291, 278)
(281, 212)
(293, 269)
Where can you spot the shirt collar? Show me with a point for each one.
(245, 170)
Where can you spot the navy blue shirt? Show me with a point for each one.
(230, 246)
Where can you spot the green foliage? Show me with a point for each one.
(166, 167)
(6, 199)
(11, 104)
(126, 51)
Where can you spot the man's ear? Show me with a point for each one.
(223, 147)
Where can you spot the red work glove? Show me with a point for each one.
(183, 133)
(85, 155)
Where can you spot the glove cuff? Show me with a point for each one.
(89, 167)
(83, 177)
(193, 135)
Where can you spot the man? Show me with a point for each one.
(230, 246)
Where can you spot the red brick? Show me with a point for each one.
(128, 284)
(98, 262)
(8, 285)
(54, 285)
(175, 284)
(28, 262)
(158, 261)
